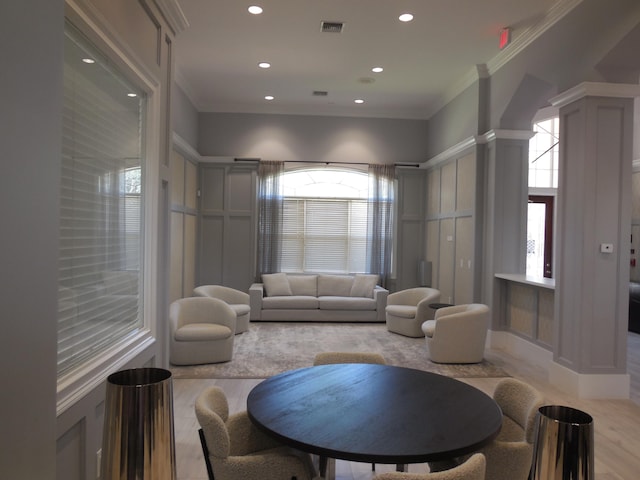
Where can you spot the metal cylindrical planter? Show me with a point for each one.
(564, 445)
(138, 440)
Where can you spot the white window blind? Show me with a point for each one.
(101, 200)
(324, 235)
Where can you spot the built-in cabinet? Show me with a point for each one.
(227, 234)
(450, 228)
(183, 222)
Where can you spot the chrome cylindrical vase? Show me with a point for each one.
(564, 446)
(138, 439)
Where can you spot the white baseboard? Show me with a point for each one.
(581, 385)
(590, 385)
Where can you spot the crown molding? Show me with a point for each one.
(596, 89)
(470, 142)
(173, 14)
(183, 147)
(451, 152)
(499, 134)
(528, 36)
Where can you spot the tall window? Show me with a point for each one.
(101, 205)
(543, 184)
(325, 221)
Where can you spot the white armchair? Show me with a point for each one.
(201, 331)
(457, 334)
(237, 300)
(407, 310)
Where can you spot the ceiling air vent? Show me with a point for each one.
(331, 27)
(320, 93)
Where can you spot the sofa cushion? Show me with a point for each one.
(276, 284)
(240, 309)
(290, 302)
(363, 285)
(304, 285)
(346, 303)
(335, 285)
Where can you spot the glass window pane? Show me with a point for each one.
(101, 201)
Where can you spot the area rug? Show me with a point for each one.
(269, 348)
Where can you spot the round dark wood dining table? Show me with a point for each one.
(374, 413)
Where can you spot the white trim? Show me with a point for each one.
(98, 30)
(499, 134)
(80, 382)
(522, 41)
(173, 14)
(450, 152)
(183, 147)
(596, 89)
(613, 386)
(589, 385)
(467, 143)
(526, 38)
(523, 349)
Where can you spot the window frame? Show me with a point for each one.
(82, 380)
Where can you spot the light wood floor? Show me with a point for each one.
(617, 422)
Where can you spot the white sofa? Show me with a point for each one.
(318, 298)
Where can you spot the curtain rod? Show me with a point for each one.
(416, 165)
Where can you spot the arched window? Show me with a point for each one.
(325, 221)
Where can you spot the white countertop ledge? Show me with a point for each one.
(541, 282)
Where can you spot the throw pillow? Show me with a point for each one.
(276, 284)
(363, 285)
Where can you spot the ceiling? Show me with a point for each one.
(426, 61)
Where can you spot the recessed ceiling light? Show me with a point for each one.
(377, 69)
(269, 97)
(88, 60)
(131, 95)
(405, 17)
(359, 100)
(255, 9)
(264, 65)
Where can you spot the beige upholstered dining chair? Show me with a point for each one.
(234, 449)
(510, 455)
(408, 309)
(201, 331)
(237, 300)
(457, 334)
(472, 469)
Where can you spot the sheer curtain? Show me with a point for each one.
(270, 211)
(380, 220)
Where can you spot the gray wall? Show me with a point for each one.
(312, 138)
(184, 116)
(31, 98)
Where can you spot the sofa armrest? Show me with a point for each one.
(256, 292)
(380, 296)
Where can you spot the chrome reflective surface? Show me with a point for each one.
(138, 439)
(564, 445)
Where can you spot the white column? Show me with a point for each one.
(594, 225)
